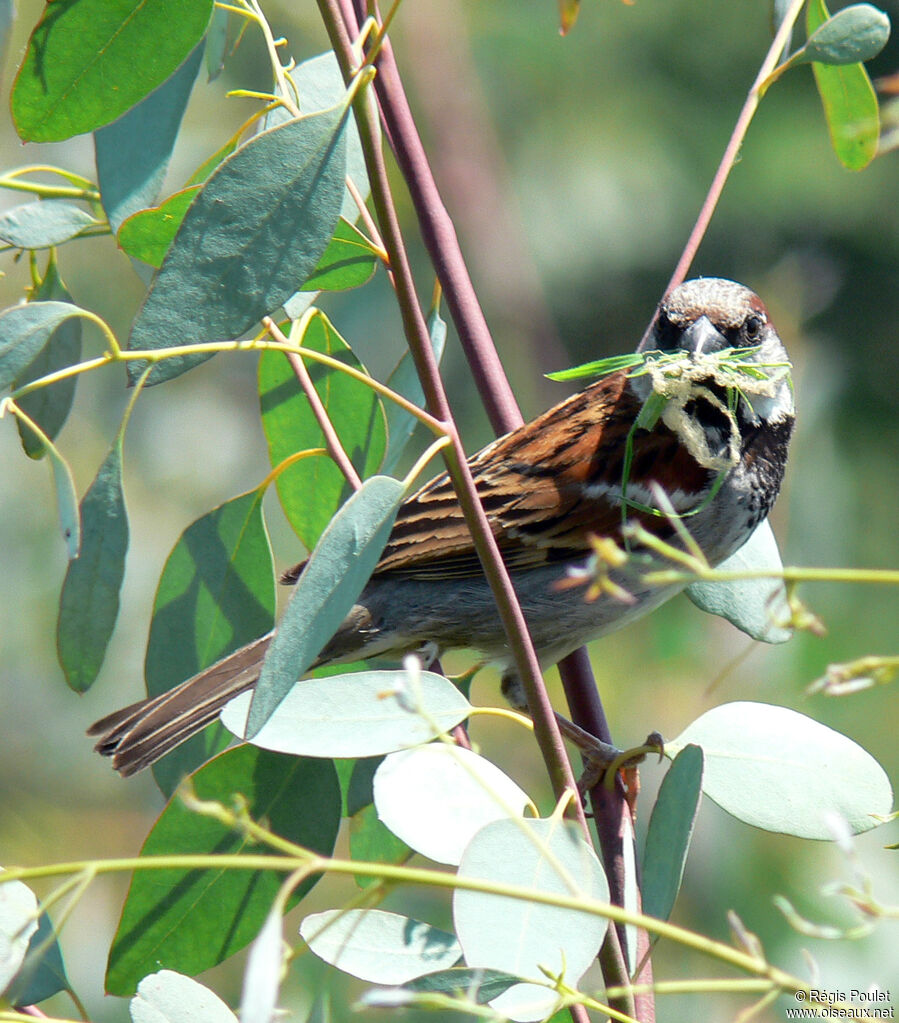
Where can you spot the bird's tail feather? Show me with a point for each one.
(137, 736)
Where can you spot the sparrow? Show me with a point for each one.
(549, 488)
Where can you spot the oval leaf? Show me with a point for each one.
(89, 62)
(779, 770)
(520, 937)
(754, 605)
(355, 715)
(24, 330)
(89, 602)
(853, 35)
(262, 976)
(258, 228)
(334, 576)
(310, 490)
(38, 225)
(197, 918)
(849, 102)
(384, 948)
(49, 406)
(169, 997)
(670, 831)
(18, 921)
(436, 798)
(216, 593)
(133, 152)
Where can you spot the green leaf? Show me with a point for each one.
(216, 44)
(371, 841)
(849, 101)
(779, 770)
(756, 606)
(89, 602)
(216, 593)
(49, 406)
(24, 330)
(853, 35)
(191, 920)
(404, 380)
(169, 997)
(18, 922)
(385, 948)
(670, 831)
(88, 62)
(436, 798)
(313, 488)
(348, 261)
(258, 227)
(148, 234)
(598, 368)
(521, 937)
(353, 715)
(334, 576)
(133, 152)
(39, 225)
(42, 973)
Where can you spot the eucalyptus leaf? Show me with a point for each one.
(89, 601)
(24, 330)
(216, 593)
(66, 501)
(257, 228)
(169, 997)
(133, 152)
(849, 102)
(39, 225)
(669, 833)
(312, 488)
(755, 606)
(197, 918)
(385, 948)
(781, 771)
(354, 715)
(42, 973)
(148, 234)
(436, 798)
(49, 406)
(853, 35)
(18, 922)
(521, 937)
(480, 985)
(334, 576)
(404, 380)
(262, 975)
(88, 62)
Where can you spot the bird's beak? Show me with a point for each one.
(702, 338)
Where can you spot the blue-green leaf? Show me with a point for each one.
(89, 602)
(335, 575)
(49, 406)
(38, 225)
(258, 228)
(133, 152)
(24, 330)
(670, 831)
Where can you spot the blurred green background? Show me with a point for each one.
(575, 168)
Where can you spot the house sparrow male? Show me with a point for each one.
(548, 488)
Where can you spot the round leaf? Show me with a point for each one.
(779, 770)
(852, 35)
(435, 798)
(169, 997)
(520, 937)
(754, 605)
(353, 715)
(384, 948)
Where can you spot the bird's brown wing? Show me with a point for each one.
(547, 487)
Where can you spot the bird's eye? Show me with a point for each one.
(666, 332)
(752, 328)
